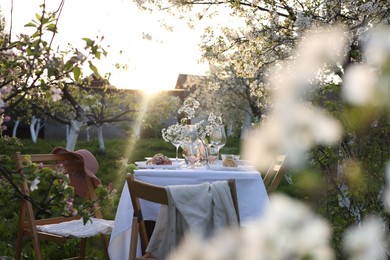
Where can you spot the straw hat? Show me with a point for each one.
(77, 175)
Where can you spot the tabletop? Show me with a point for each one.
(251, 194)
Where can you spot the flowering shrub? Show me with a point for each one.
(49, 190)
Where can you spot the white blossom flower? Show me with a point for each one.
(377, 49)
(319, 47)
(359, 85)
(291, 128)
(366, 241)
(55, 93)
(34, 184)
(289, 230)
(262, 144)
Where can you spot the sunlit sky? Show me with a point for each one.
(152, 64)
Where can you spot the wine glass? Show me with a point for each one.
(176, 142)
(218, 137)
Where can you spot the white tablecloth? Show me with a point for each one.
(251, 193)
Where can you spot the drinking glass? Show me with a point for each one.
(212, 153)
(190, 145)
(218, 137)
(176, 142)
(191, 154)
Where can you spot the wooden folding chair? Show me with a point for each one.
(157, 194)
(275, 173)
(27, 225)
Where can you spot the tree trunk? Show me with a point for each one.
(245, 125)
(344, 198)
(88, 136)
(73, 134)
(229, 130)
(67, 132)
(102, 147)
(137, 131)
(35, 127)
(17, 122)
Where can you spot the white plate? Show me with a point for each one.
(172, 159)
(174, 165)
(243, 162)
(220, 167)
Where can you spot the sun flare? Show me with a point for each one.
(153, 64)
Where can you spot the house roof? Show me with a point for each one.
(186, 81)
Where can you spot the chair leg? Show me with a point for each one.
(37, 249)
(37, 246)
(19, 242)
(105, 245)
(19, 235)
(134, 239)
(24, 209)
(83, 244)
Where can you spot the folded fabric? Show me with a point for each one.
(201, 209)
(76, 228)
(224, 212)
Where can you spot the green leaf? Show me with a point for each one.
(36, 34)
(52, 28)
(69, 64)
(88, 41)
(30, 24)
(93, 68)
(45, 20)
(50, 72)
(76, 73)
(38, 17)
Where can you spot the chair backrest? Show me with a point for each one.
(157, 194)
(141, 190)
(274, 174)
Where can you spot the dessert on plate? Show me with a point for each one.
(159, 159)
(229, 163)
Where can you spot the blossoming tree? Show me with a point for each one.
(261, 47)
(245, 38)
(51, 83)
